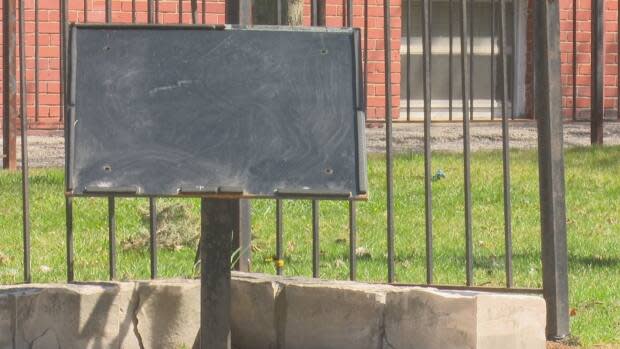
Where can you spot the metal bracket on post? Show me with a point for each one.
(218, 223)
(548, 109)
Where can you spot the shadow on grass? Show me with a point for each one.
(601, 158)
(595, 261)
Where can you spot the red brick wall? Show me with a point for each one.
(584, 27)
(376, 63)
(48, 116)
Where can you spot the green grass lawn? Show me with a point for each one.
(593, 199)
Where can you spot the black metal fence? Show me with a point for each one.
(598, 113)
(508, 52)
(547, 107)
(492, 53)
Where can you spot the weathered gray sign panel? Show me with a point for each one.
(240, 112)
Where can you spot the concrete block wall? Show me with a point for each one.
(267, 313)
(583, 62)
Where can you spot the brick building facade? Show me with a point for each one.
(583, 37)
(47, 115)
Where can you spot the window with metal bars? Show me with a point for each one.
(485, 63)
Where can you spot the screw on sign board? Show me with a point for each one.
(236, 112)
(218, 112)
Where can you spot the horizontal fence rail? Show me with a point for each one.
(462, 91)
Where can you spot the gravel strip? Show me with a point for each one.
(48, 151)
(449, 137)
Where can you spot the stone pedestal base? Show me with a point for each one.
(268, 312)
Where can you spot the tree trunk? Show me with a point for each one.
(295, 12)
(266, 12)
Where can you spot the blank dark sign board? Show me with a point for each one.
(207, 110)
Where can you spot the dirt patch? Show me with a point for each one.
(573, 343)
(4, 259)
(563, 345)
(554, 345)
(177, 227)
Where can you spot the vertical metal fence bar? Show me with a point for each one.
(428, 194)
(69, 225)
(548, 108)
(430, 50)
(349, 13)
(24, 137)
(133, 11)
(450, 59)
(516, 8)
(201, 255)
(112, 237)
(466, 74)
(279, 9)
(194, 4)
(36, 61)
(352, 240)
(352, 205)
(156, 11)
(492, 59)
(68, 200)
(231, 11)
(9, 85)
(598, 62)
(180, 11)
(204, 11)
(575, 64)
(505, 145)
(242, 235)
(111, 199)
(389, 157)
(365, 53)
(153, 236)
(108, 11)
(408, 62)
(85, 10)
(314, 19)
(316, 254)
(316, 247)
(152, 11)
(279, 261)
(471, 59)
